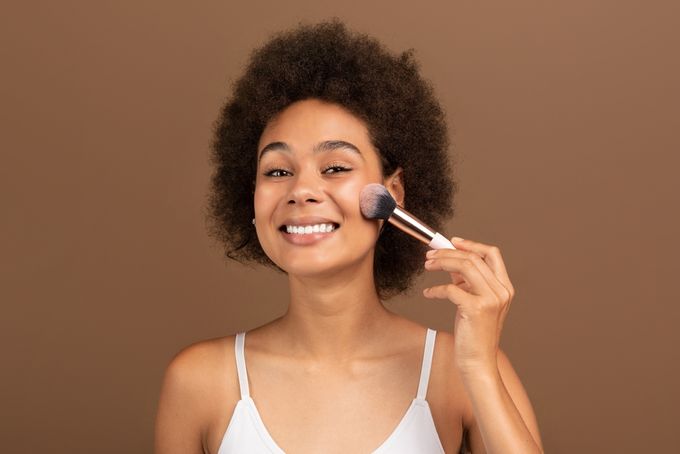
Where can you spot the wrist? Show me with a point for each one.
(484, 371)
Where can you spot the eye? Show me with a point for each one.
(331, 169)
(336, 168)
(276, 173)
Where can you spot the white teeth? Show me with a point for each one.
(307, 229)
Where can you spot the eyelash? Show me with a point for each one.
(338, 168)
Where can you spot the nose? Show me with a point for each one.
(307, 188)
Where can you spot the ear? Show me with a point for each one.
(395, 185)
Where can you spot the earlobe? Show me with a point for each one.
(395, 185)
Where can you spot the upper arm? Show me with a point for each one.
(180, 417)
(519, 397)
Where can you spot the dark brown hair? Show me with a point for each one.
(405, 121)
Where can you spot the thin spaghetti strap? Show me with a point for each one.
(427, 363)
(241, 365)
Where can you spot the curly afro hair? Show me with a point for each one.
(406, 125)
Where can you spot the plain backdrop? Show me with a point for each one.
(564, 124)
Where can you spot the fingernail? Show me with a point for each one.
(455, 238)
(430, 253)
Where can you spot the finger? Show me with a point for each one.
(439, 254)
(457, 278)
(454, 294)
(493, 285)
(499, 289)
(464, 265)
(491, 255)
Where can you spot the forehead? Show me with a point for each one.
(312, 120)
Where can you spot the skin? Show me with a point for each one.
(338, 358)
(301, 182)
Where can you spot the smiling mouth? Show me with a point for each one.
(309, 229)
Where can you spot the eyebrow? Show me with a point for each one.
(326, 145)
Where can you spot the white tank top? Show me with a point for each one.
(415, 433)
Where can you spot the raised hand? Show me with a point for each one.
(482, 291)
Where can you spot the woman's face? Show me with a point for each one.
(314, 158)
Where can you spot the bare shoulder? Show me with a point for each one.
(198, 382)
(198, 366)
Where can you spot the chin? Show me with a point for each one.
(311, 266)
(328, 256)
(321, 265)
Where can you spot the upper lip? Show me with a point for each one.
(308, 220)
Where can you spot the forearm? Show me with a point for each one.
(500, 424)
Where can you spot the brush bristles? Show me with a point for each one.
(376, 202)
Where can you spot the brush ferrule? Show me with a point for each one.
(410, 224)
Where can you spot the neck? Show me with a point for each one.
(334, 318)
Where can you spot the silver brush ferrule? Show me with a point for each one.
(410, 224)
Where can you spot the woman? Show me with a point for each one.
(319, 114)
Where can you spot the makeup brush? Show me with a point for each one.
(376, 202)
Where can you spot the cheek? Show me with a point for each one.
(347, 196)
(265, 204)
(349, 193)
(350, 190)
(264, 200)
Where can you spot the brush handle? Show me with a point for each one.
(410, 224)
(440, 242)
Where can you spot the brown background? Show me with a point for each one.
(565, 124)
